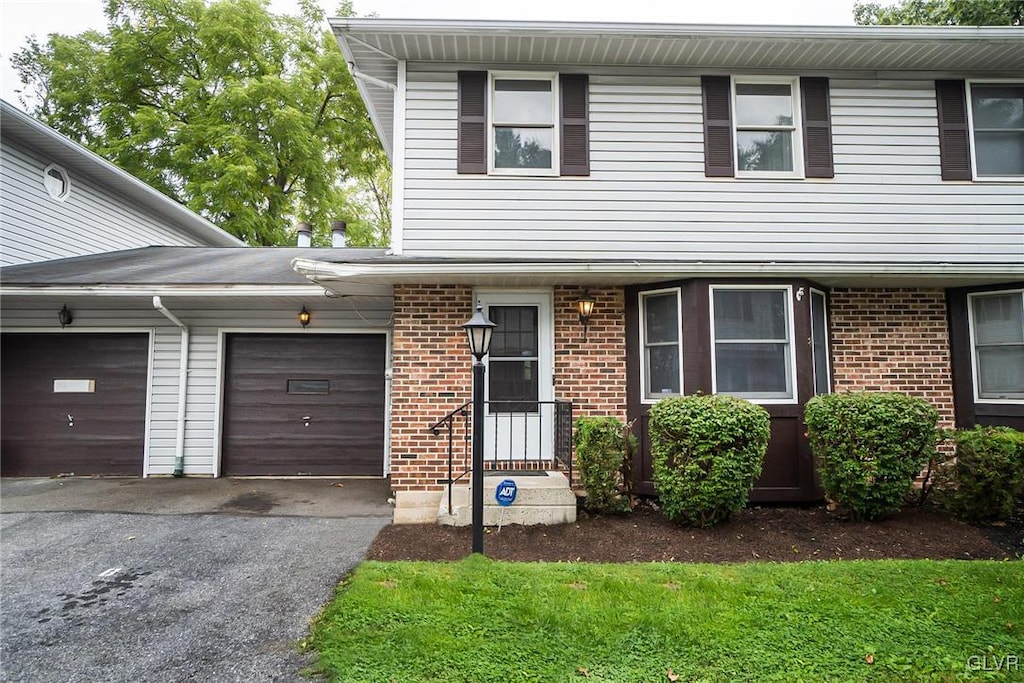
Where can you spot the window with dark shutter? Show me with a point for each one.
(472, 145)
(817, 128)
(954, 138)
(718, 150)
(574, 119)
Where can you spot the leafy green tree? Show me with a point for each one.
(941, 13)
(249, 118)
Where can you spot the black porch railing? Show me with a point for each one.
(517, 436)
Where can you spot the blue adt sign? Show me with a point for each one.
(505, 494)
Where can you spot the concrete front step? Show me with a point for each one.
(544, 499)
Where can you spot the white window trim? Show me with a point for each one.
(642, 307)
(791, 341)
(67, 182)
(974, 347)
(551, 76)
(828, 349)
(970, 127)
(798, 138)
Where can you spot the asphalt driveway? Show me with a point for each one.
(172, 580)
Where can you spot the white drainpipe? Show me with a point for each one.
(179, 446)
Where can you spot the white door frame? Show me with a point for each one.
(521, 432)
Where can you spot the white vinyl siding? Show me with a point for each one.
(647, 197)
(205, 319)
(89, 220)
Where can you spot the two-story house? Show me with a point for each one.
(769, 212)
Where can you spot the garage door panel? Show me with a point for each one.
(46, 433)
(304, 405)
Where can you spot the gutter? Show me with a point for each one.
(179, 445)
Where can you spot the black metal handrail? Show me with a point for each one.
(517, 435)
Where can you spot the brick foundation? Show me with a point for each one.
(893, 340)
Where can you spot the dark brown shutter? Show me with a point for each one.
(718, 154)
(954, 138)
(817, 128)
(472, 155)
(575, 124)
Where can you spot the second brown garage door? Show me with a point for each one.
(309, 404)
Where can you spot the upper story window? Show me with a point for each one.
(767, 122)
(523, 123)
(752, 343)
(997, 333)
(981, 130)
(767, 127)
(997, 127)
(523, 136)
(56, 182)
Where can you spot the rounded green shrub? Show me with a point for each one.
(987, 476)
(870, 446)
(707, 453)
(603, 449)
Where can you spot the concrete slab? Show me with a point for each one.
(545, 499)
(306, 497)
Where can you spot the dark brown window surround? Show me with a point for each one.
(574, 134)
(789, 474)
(719, 153)
(968, 412)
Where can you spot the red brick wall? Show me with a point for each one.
(893, 340)
(431, 375)
(432, 370)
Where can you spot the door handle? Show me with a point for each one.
(71, 420)
(305, 420)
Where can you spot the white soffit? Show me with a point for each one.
(375, 45)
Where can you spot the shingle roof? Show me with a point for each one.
(178, 266)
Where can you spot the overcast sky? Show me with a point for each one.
(22, 18)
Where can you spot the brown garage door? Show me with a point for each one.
(73, 403)
(309, 404)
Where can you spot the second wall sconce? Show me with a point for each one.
(585, 306)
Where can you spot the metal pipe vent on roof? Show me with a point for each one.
(339, 236)
(303, 234)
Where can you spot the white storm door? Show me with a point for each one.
(519, 419)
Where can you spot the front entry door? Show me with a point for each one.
(519, 421)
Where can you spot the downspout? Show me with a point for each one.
(179, 446)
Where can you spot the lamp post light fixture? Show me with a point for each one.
(479, 330)
(304, 317)
(585, 306)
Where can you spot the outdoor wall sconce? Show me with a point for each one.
(585, 305)
(65, 317)
(304, 317)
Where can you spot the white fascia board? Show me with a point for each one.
(654, 30)
(545, 273)
(361, 88)
(150, 290)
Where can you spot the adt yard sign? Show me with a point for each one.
(505, 494)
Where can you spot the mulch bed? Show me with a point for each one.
(776, 534)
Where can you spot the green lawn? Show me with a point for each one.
(479, 620)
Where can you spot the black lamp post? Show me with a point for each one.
(479, 330)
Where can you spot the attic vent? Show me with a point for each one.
(56, 182)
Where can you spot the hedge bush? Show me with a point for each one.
(870, 446)
(987, 475)
(604, 447)
(707, 453)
